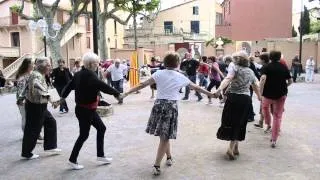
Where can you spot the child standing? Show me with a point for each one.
(163, 120)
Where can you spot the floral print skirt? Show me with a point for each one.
(163, 120)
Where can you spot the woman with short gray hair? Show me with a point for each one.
(87, 86)
(236, 109)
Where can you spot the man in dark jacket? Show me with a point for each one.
(61, 76)
(87, 86)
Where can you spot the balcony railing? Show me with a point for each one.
(161, 31)
(7, 21)
(10, 51)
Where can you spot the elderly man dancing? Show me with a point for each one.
(37, 114)
(87, 86)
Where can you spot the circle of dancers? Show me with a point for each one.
(235, 78)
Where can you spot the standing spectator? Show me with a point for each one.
(22, 77)
(191, 65)
(87, 86)
(203, 72)
(295, 68)
(37, 114)
(310, 64)
(236, 109)
(77, 66)
(274, 84)
(61, 76)
(2, 80)
(117, 71)
(105, 66)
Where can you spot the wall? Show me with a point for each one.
(260, 19)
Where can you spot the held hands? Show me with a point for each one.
(20, 102)
(56, 104)
(216, 94)
(120, 98)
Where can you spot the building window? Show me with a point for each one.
(195, 27)
(14, 18)
(88, 27)
(15, 39)
(115, 27)
(229, 6)
(195, 10)
(168, 27)
(219, 19)
(88, 43)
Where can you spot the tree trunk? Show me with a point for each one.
(103, 45)
(55, 50)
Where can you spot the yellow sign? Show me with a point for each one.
(134, 70)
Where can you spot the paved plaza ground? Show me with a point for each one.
(197, 152)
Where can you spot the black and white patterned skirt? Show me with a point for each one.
(163, 120)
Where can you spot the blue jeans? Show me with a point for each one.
(194, 80)
(118, 85)
(203, 80)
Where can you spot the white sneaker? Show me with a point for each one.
(34, 156)
(169, 162)
(75, 166)
(273, 144)
(156, 171)
(55, 151)
(105, 160)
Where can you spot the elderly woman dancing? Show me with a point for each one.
(237, 106)
(87, 86)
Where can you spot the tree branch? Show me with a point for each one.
(55, 6)
(24, 16)
(75, 13)
(113, 16)
(42, 9)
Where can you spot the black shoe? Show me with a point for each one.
(200, 98)
(185, 99)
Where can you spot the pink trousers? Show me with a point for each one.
(278, 109)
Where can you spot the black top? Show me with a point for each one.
(61, 77)
(276, 82)
(87, 86)
(223, 67)
(190, 66)
(254, 69)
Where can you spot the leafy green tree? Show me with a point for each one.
(148, 9)
(305, 22)
(315, 27)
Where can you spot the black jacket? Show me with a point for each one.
(60, 78)
(87, 86)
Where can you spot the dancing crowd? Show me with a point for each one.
(234, 77)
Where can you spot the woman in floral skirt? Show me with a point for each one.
(163, 121)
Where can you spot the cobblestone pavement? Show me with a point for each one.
(197, 152)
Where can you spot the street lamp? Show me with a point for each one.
(43, 26)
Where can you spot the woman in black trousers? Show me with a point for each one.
(87, 86)
(37, 114)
